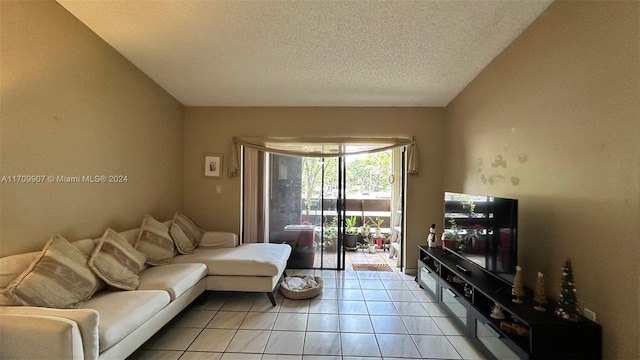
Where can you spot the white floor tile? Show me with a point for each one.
(265, 305)
(249, 341)
(350, 294)
(236, 356)
(285, 342)
(227, 320)
(401, 295)
(421, 325)
(360, 345)
(329, 283)
(174, 339)
(295, 306)
(410, 309)
(381, 308)
(432, 346)
(323, 322)
(197, 355)
(465, 348)
(367, 275)
(194, 318)
(434, 310)
(238, 304)
(348, 283)
(322, 343)
(395, 285)
(397, 346)
(389, 275)
(356, 323)
(291, 321)
(371, 284)
(327, 293)
(388, 325)
(281, 357)
(352, 307)
(375, 295)
(447, 326)
(259, 321)
(215, 340)
(322, 306)
(321, 357)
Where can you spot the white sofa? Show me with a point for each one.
(112, 324)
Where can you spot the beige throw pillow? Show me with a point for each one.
(182, 242)
(116, 261)
(193, 232)
(155, 242)
(58, 278)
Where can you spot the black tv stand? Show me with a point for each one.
(469, 294)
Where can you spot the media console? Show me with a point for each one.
(469, 294)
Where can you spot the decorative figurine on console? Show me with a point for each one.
(496, 312)
(431, 238)
(518, 288)
(538, 295)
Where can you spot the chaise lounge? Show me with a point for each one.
(126, 310)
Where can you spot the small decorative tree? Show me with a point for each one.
(518, 288)
(568, 304)
(539, 296)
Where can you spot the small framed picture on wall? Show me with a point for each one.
(212, 166)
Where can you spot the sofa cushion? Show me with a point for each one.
(193, 232)
(173, 278)
(243, 260)
(58, 278)
(122, 312)
(116, 262)
(181, 240)
(155, 242)
(10, 268)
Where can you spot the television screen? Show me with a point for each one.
(484, 230)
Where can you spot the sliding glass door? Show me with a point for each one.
(303, 209)
(306, 202)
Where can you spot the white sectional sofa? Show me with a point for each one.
(113, 323)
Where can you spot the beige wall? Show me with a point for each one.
(71, 106)
(565, 95)
(211, 129)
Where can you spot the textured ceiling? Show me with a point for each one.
(309, 53)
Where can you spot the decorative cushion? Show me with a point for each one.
(116, 262)
(155, 242)
(181, 240)
(58, 278)
(193, 232)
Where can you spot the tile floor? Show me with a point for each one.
(359, 315)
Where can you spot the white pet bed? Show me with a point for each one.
(303, 293)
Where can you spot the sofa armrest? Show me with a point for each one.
(218, 239)
(39, 337)
(71, 328)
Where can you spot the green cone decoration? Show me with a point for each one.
(568, 304)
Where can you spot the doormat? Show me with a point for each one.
(371, 267)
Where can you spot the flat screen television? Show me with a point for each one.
(483, 230)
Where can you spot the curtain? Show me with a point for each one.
(324, 147)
